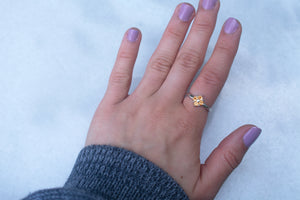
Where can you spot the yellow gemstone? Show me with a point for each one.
(198, 101)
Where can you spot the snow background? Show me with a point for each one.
(55, 60)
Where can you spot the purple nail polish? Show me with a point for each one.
(250, 137)
(209, 4)
(132, 35)
(186, 11)
(231, 25)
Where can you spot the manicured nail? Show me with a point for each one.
(231, 25)
(132, 35)
(209, 4)
(250, 137)
(186, 11)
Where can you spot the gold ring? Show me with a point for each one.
(198, 101)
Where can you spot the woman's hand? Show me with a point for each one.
(158, 121)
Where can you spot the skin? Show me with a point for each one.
(157, 121)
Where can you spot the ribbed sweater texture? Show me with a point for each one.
(103, 172)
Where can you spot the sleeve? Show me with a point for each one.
(105, 172)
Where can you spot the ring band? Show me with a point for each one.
(198, 101)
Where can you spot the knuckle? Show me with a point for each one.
(161, 64)
(225, 48)
(212, 78)
(189, 61)
(174, 32)
(203, 25)
(231, 159)
(125, 55)
(120, 78)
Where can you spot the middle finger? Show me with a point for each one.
(193, 51)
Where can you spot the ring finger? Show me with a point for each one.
(214, 74)
(164, 56)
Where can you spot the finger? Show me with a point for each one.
(214, 74)
(164, 56)
(192, 53)
(121, 75)
(226, 157)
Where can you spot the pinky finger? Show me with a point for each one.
(121, 75)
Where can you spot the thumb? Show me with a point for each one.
(226, 157)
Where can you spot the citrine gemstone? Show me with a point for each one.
(198, 101)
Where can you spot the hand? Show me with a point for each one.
(158, 121)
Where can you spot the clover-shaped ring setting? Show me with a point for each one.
(198, 101)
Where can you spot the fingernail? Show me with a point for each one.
(250, 137)
(132, 35)
(231, 25)
(209, 4)
(186, 11)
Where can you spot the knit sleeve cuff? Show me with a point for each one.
(116, 173)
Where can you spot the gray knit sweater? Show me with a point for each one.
(104, 172)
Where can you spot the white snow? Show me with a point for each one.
(55, 60)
